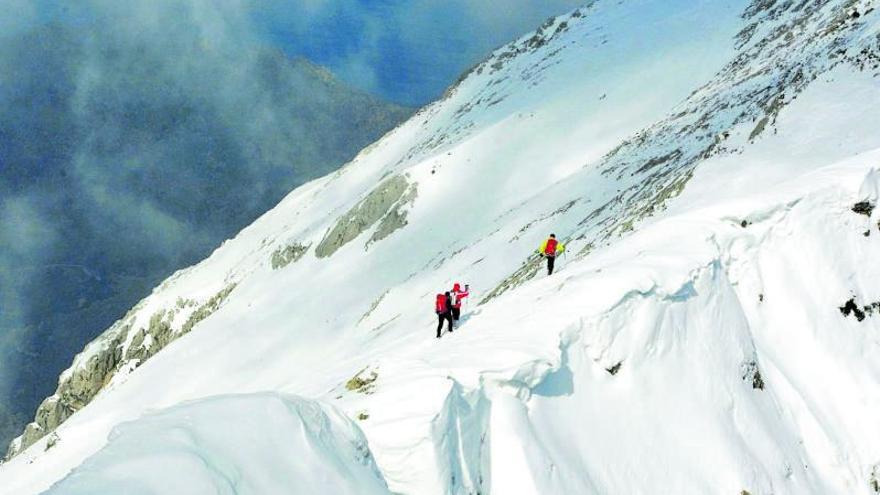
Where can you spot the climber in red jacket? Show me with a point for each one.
(456, 294)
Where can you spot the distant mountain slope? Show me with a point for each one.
(123, 158)
(712, 169)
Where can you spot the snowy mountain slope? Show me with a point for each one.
(692, 341)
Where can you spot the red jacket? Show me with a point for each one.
(457, 295)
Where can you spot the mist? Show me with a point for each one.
(134, 138)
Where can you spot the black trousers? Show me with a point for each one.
(550, 261)
(456, 313)
(440, 318)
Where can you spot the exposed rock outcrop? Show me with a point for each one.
(863, 208)
(362, 383)
(396, 218)
(285, 255)
(385, 205)
(113, 351)
(523, 274)
(752, 374)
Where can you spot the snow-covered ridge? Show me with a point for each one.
(693, 341)
(285, 444)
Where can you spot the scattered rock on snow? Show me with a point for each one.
(614, 369)
(874, 480)
(524, 273)
(288, 254)
(373, 307)
(363, 385)
(753, 374)
(863, 208)
(850, 307)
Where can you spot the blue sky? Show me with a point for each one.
(407, 51)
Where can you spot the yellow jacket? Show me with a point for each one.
(560, 247)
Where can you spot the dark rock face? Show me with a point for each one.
(126, 154)
(859, 312)
(850, 308)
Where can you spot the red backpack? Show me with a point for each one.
(440, 306)
(551, 246)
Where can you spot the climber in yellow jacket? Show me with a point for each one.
(549, 249)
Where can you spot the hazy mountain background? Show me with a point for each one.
(132, 148)
(407, 51)
(136, 136)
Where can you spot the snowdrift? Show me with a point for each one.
(249, 444)
(711, 167)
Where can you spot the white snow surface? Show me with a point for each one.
(235, 444)
(743, 272)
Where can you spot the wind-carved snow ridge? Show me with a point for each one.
(679, 334)
(472, 423)
(711, 327)
(460, 434)
(248, 444)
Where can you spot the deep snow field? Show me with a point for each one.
(691, 341)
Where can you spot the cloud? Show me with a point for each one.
(26, 240)
(21, 15)
(26, 231)
(135, 137)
